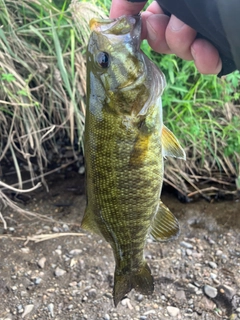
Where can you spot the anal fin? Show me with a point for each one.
(164, 225)
(89, 223)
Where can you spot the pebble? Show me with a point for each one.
(75, 252)
(58, 251)
(41, 262)
(212, 265)
(210, 291)
(27, 310)
(106, 317)
(219, 252)
(59, 272)
(180, 295)
(186, 245)
(20, 308)
(189, 252)
(206, 304)
(37, 280)
(213, 275)
(149, 312)
(173, 311)
(140, 297)
(92, 293)
(65, 227)
(143, 317)
(51, 309)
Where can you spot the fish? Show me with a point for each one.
(125, 144)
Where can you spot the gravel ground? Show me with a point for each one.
(70, 276)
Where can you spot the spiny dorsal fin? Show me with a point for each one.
(164, 225)
(171, 145)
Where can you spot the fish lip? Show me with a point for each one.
(131, 24)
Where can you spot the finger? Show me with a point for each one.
(154, 28)
(151, 27)
(154, 8)
(180, 37)
(123, 7)
(206, 57)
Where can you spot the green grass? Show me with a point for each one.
(42, 76)
(203, 112)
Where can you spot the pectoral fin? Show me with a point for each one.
(164, 225)
(171, 145)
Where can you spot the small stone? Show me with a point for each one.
(213, 276)
(75, 252)
(70, 307)
(218, 252)
(210, 291)
(37, 281)
(58, 251)
(81, 170)
(14, 288)
(124, 302)
(59, 272)
(206, 304)
(149, 312)
(92, 293)
(65, 227)
(106, 317)
(55, 229)
(189, 252)
(51, 309)
(27, 310)
(73, 284)
(140, 297)
(212, 265)
(180, 295)
(186, 245)
(20, 308)
(41, 262)
(173, 311)
(143, 317)
(25, 250)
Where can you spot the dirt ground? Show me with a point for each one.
(69, 274)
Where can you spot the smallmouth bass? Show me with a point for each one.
(125, 143)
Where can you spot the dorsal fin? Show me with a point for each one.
(164, 225)
(171, 145)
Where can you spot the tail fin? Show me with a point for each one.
(140, 280)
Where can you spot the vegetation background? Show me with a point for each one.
(42, 101)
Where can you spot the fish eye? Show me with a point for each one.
(103, 59)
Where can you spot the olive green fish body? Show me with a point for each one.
(124, 150)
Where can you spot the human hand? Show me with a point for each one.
(170, 35)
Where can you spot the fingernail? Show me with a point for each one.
(193, 52)
(175, 24)
(152, 35)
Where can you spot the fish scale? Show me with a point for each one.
(125, 143)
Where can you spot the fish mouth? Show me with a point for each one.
(120, 26)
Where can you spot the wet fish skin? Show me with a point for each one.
(124, 139)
